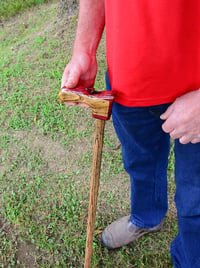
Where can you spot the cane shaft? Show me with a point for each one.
(96, 166)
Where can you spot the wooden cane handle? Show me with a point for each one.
(99, 101)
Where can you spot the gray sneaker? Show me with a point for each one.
(122, 232)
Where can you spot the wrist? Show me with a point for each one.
(83, 56)
(84, 49)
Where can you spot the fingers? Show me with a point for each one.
(168, 125)
(178, 133)
(70, 77)
(175, 135)
(167, 113)
(182, 120)
(196, 140)
(185, 139)
(189, 138)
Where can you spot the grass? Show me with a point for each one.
(45, 158)
(9, 8)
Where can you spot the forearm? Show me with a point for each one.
(90, 26)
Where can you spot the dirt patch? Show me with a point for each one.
(57, 157)
(26, 254)
(53, 152)
(25, 251)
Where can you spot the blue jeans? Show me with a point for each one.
(145, 150)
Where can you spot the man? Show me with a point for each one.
(153, 55)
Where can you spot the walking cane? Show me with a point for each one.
(101, 103)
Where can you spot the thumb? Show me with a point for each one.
(167, 113)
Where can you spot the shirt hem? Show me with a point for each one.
(141, 103)
(149, 102)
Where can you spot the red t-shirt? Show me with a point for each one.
(153, 49)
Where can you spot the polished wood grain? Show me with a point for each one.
(99, 106)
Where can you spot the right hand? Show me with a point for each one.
(80, 71)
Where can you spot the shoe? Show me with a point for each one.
(123, 231)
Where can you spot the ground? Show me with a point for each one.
(46, 156)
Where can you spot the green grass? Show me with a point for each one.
(46, 154)
(9, 8)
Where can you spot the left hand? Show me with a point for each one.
(182, 118)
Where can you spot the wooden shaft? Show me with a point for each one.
(96, 166)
